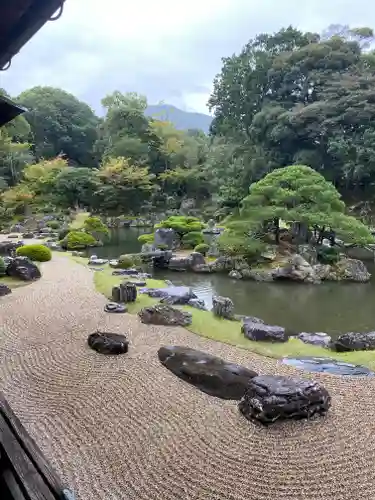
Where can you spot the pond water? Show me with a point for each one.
(333, 308)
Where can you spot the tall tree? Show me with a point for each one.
(60, 123)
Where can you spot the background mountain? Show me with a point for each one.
(182, 120)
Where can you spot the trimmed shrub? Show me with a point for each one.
(328, 255)
(129, 260)
(146, 238)
(78, 240)
(2, 267)
(182, 225)
(53, 224)
(37, 252)
(63, 233)
(192, 239)
(94, 225)
(202, 248)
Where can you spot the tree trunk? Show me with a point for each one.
(277, 230)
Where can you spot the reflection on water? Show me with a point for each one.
(331, 307)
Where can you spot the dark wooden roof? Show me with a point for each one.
(19, 21)
(9, 110)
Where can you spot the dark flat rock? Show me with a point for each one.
(108, 343)
(210, 374)
(270, 398)
(113, 307)
(328, 365)
(264, 333)
(164, 314)
(353, 341)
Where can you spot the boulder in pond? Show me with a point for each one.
(353, 341)
(164, 314)
(235, 275)
(198, 304)
(264, 333)
(23, 269)
(318, 338)
(210, 374)
(113, 307)
(108, 343)
(349, 270)
(270, 398)
(4, 290)
(328, 365)
(222, 307)
(164, 238)
(196, 259)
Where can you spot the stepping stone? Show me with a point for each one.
(113, 307)
(210, 374)
(270, 398)
(108, 343)
(328, 365)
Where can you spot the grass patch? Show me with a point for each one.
(205, 324)
(79, 220)
(13, 282)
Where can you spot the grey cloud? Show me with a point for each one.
(75, 54)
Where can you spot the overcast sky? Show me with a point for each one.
(169, 50)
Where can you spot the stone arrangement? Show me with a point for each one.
(223, 307)
(270, 398)
(163, 314)
(108, 343)
(23, 269)
(172, 295)
(208, 373)
(125, 292)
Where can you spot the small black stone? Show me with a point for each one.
(113, 307)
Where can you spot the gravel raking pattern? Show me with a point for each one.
(125, 428)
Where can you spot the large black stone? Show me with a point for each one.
(208, 373)
(270, 398)
(171, 294)
(264, 333)
(353, 341)
(23, 269)
(163, 314)
(328, 365)
(108, 343)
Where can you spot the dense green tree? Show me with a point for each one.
(60, 123)
(296, 194)
(75, 187)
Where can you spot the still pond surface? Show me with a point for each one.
(333, 308)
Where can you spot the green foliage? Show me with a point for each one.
(192, 239)
(78, 240)
(94, 226)
(2, 267)
(53, 224)
(63, 233)
(240, 242)
(182, 225)
(60, 123)
(39, 253)
(146, 238)
(297, 194)
(125, 262)
(328, 255)
(202, 248)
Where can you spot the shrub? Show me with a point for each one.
(234, 244)
(146, 238)
(192, 239)
(37, 252)
(202, 248)
(328, 255)
(128, 260)
(94, 225)
(63, 233)
(2, 267)
(53, 224)
(78, 240)
(182, 225)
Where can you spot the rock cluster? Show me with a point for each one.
(163, 314)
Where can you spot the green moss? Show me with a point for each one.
(207, 325)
